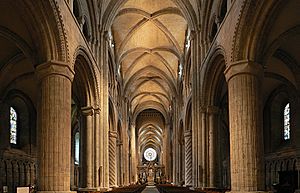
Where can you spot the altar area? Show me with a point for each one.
(151, 173)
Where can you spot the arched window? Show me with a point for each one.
(286, 118)
(13, 126)
(77, 145)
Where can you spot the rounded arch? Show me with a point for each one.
(214, 76)
(26, 116)
(150, 105)
(114, 7)
(85, 83)
(249, 43)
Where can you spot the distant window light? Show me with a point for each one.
(286, 130)
(150, 154)
(77, 145)
(13, 126)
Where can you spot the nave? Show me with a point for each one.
(97, 95)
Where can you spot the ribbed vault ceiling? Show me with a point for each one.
(149, 38)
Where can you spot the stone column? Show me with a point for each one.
(166, 151)
(87, 113)
(188, 158)
(112, 158)
(246, 130)
(54, 121)
(202, 150)
(120, 167)
(98, 149)
(133, 154)
(212, 112)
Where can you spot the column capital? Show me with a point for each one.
(202, 109)
(113, 134)
(212, 110)
(194, 33)
(87, 111)
(97, 110)
(188, 133)
(53, 67)
(244, 67)
(132, 124)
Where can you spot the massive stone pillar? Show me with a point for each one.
(246, 130)
(212, 112)
(188, 158)
(112, 158)
(133, 154)
(54, 124)
(88, 113)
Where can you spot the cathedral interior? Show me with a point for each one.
(100, 94)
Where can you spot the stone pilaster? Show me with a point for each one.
(246, 130)
(120, 162)
(133, 154)
(198, 113)
(112, 158)
(212, 112)
(54, 124)
(188, 158)
(88, 114)
(166, 151)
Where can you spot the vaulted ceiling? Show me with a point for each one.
(149, 37)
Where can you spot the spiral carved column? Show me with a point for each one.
(188, 158)
(112, 158)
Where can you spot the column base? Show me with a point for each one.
(297, 191)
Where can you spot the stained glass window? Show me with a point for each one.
(77, 144)
(150, 154)
(13, 126)
(286, 130)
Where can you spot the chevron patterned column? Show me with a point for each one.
(188, 158)
(112, 158)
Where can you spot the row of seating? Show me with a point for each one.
(168, 188)
(128, 189)
(213, 190)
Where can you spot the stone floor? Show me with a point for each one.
(150, 189)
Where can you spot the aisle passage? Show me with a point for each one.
(150, 189)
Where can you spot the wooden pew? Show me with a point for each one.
(128, 189)
(168, 188)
